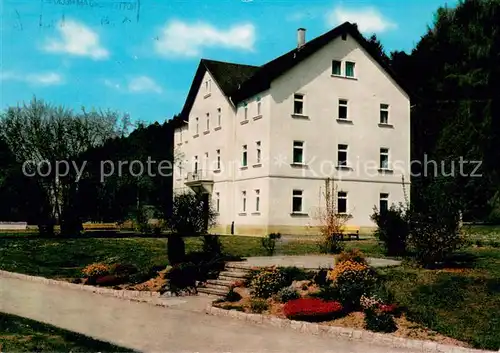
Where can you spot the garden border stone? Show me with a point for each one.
(343, 332)
(137, 296)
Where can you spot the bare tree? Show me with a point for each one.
(331, 223)
(40, 134)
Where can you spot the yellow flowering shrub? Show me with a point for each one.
(96, 269)
(352, 280)
(266, 282)
(347, 269)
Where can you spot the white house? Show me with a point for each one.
(262, 139)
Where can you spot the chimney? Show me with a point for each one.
(301, 37)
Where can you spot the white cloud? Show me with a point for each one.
(138, 84)
(143, 84)
(369, 19)
(77, 39)
(178, 38)
(44, 79)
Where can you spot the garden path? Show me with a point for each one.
(148, 328)
(306, 261)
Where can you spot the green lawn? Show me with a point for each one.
(23, 335)
(463, 303)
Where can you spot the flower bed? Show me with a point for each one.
(351, 295)
(312, 309)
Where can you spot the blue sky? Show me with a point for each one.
(139, 56)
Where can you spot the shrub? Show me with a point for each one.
(379, 321)
(95, 270)
(139, 277)
(312, 309)
(328, 293)
(266, 282)
(291, 274)
(212, 245)
(286, 294)
(176, 249)
(369, 302)
(122, 270)
(232, 296)
(258, 306)
(109, 280)
(435, 224)
(352, 280)
(354, 255)
(182, 276)
(392, 229)
(321, 277)
(269, 243)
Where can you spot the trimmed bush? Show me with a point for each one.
(379, 321)
(109, 280)
(354, 255)
(122, 270)
(269, 243)
(212, 245)
(232, 296)
(312, 309)
(266, 282)
(291, 274)
(182, 276)
(393, 229)
(321, 277)
(287, 294)
(176, 249)
(258, 306)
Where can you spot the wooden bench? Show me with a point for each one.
(350, 231)
(101, 227)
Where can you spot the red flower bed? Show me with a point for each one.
(312, 309)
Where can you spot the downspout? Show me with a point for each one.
(233, 166)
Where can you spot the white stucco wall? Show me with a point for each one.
(276, 130)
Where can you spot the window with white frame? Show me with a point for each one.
(298, 152)
(342, 155)
(298, 104)
(257, 200)
(336, 67)
(205, 161)
(342, 202)
(244, 156)
(208, 121)
(195, 164)
(245, 112)
(219, 116)
(297, 201)
(384, 202)
(197, 127)
(259, 106)
(384, 158)
(258, 152)
(217, 202)
(243, 201)
(218, 160)
(384, 113)
(349, 69)
(208, 86)
(343, 109)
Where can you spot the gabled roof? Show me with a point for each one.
(239, 82)
(227, 75)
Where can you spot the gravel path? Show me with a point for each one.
(148, 328)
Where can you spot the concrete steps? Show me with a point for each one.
(220, 287)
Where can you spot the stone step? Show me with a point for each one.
(213, 296)
(221, 282)
(232, 279)
(237, 268)
(213, 291)
(233, 274)
(216, 286)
